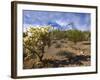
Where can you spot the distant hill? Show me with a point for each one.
(60, 27)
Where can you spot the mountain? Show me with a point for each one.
(54, 25)
(60, 27)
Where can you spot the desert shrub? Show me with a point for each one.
(58, 34)
(87, 35)
(75, 35)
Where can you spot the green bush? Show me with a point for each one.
(57, 34)
(75, 35)
(87, 35)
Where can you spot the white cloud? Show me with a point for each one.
(26, 26)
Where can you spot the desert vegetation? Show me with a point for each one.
(45, 47)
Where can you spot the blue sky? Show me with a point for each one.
(82, 21)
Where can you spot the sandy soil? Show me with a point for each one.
(80, 51)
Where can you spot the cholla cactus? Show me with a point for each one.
(36, 40)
